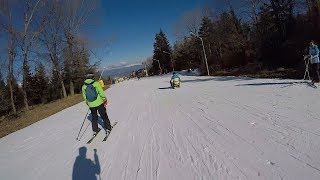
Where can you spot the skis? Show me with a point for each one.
(311, 84)
(106, 137)
(91, 139)
(308, 83)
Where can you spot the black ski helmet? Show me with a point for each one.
(90, 75)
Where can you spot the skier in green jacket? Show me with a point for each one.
(175, 80)
(95, 98)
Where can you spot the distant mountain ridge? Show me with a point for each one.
(121, 71)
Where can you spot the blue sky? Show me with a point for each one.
(131, 26)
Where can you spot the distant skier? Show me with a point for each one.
(315, 64)
(95, 98)
(175, 80)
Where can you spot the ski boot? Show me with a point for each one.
(95, 133)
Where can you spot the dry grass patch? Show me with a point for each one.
(36, 113)
(11, 124)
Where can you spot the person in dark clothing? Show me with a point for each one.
(315, 64)
(95, 98)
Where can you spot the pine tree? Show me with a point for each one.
(161, 46)
(314, 13)
(67, 70)
(55, 89)
(276, 23)
(2, 83)
(18, 94)
(230, 40)
(27, 85)
(81, 66)
(205, 32)
(40, 85)
(75, 70)
(4, 97)
(282, 11)
(187, 54)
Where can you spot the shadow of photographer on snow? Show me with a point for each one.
(86, 169)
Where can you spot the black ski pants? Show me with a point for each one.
(103, 114)
(315, 72)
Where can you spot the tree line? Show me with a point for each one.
(44, 56)
(271, 34)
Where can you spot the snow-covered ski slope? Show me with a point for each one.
(210, 128)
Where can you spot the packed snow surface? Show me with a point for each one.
(210, 128)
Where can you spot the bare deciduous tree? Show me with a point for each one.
(75, 14)
(190, 21)
(253, 9)
(51, 37)
(314, 12)
(27, 38)
(8, 27)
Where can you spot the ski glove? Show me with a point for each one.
(105, 102)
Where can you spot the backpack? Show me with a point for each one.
(91, 92)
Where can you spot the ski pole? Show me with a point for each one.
(82, 125)
(87, 111)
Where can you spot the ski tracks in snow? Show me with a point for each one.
(206, 132)
(210, 128)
